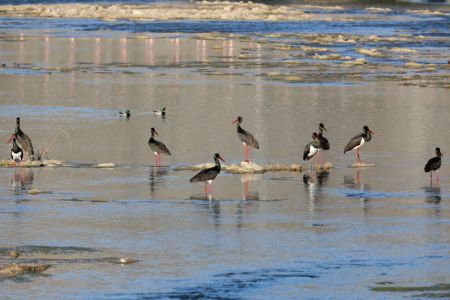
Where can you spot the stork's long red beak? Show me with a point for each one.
(220, 157)
(371, 132)
(10, 139)
(156, 133)
(235, 121)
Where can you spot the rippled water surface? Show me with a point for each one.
(380, 232)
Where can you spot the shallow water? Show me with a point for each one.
(283, 235)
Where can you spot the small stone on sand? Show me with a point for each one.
(34, 192)
(37, 192)
(412, 64)
(13, 254)
(105, 165)
(126, 260)
(325, 166)
(362, 165)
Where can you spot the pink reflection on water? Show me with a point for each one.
(149, 52)
(97, 51)
(123, 50)
(200, 51)
(175, 50)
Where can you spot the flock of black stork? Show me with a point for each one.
(22, 148)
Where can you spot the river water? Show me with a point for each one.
(346, 233)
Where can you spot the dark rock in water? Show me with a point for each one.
(13, 254)
(15, 269)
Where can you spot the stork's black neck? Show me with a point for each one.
(239, 128)
(18, 130)
(316, 143)
(217, 166)
(367, 135)
(15, 147)
(321, 128)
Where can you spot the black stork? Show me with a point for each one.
(358, 140)
(322, 128)
(22, 140)
(157, 147)
(208, 175)
(311, 148)
(324, 143)
(434, 164)
(16, 152)
(125, 113)
(246, 138)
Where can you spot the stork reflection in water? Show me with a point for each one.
(246, 195)
(156, 178)
(22, 179)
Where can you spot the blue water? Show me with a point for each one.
(268, 236)
(424, 25)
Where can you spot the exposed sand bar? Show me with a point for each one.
(193, 11)
(250, 167)
(51, 163)
(205, 10)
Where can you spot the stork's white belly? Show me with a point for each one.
(312, 151)
(16, 156)
(360, 144)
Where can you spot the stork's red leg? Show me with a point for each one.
(357, 156)
(246, 153)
